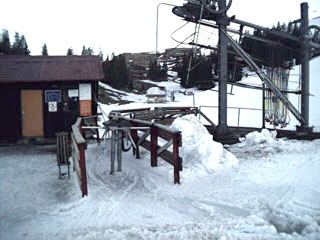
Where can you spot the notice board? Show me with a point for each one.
(85, 99)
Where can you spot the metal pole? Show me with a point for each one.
(119, 149)
(263, 106)
(222, 128)
(157, 23)
(113, 150)
(305, 57)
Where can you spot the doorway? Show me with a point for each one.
(32, 113)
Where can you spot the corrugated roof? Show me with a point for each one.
(26, 68)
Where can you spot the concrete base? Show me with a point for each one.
(224, 135)
(303, 129)
(222, 130)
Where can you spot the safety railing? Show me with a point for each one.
(146, 134)
(236, 108)
(78, 155)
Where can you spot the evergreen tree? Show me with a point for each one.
(5, 47)
(90, 51)
(70, 52)
(44, 50)
(115, 72)
(20, 46)
(87, 51)
(84, 50)
(17, 46)
(157, 72)
(100, 54)
(26, 50)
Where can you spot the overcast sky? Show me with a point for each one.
(122, 26)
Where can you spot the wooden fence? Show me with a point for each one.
(156, 131)
(78, 155)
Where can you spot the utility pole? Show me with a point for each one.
(305, 68)
(222, 21)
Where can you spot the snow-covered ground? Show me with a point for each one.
(261, 188)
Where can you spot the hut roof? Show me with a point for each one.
(25, 68)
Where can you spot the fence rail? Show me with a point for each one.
(155, 132)
(78, 155)
(236, 108)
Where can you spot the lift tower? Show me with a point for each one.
(305, 68)
(216, 10)
(222, 21)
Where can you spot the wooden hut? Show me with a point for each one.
(156, 95)
(41, 95)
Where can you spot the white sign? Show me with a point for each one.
(73, 93)
(85, 91)
(53, 106)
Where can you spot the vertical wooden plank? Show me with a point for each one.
(82, 164)
(134, 135)
(154, 146)
(176, 162)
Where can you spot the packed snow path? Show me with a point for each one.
(273, 193)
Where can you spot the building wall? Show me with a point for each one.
(60, 120)
(10, 117)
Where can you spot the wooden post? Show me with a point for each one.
(176, 162)
(134, 134)
(82, 164)
(154, 146)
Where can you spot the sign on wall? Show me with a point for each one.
(52, 96)
(73, 93)
(53, 106)
(85, 99)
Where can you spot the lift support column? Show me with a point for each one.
(222, 128)
(305, 68)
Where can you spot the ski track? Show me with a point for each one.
(274, 197)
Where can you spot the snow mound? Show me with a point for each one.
(155, 90)
(259, 144)
(256, 138)
(198, 149)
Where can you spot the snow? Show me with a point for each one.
(260, 188)
(198, 148)
(244, 192)
(155, 90)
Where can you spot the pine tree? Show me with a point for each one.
(70, 52)
(115, 72)
(5, 47)
(25, 45)
(84, 50)
(17, 46)
(90, 51)
(100, 54)
(44, 50)
(20, 46)
(87, 51)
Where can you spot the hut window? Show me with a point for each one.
(70, 100)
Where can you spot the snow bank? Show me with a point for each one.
(259, 143)
(255, 138)
(198, 148)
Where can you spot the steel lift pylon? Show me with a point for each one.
(216, 10)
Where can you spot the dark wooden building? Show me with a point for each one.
(41, 95)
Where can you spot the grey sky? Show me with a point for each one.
(122, 26)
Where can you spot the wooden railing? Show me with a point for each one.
(156, 131)
(163, 115)
(78, 155)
